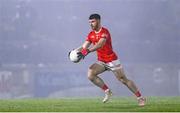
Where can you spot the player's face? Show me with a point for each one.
(94, 24)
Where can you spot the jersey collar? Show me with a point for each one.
(98, 31)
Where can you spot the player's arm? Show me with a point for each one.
(85, 50)
(85, 45)
(98, 45)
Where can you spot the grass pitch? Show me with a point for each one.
(118, 104)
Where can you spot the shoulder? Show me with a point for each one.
(91, 33)
(90, 36)
(105, 32)
(105, 29)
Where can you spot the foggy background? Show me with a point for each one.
(36, 36)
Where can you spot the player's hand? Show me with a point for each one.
(84, 52)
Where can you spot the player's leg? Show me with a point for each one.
(93, 72)
(120, 75)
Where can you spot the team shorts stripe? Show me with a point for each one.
(111, 66)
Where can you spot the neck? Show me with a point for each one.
(98, 28)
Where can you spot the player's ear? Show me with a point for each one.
(98, 21)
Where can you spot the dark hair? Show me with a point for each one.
(94, 16)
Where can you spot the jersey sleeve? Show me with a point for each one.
(105, 34)
(88, 38)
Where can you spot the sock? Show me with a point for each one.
(105, 87)
(138, 94)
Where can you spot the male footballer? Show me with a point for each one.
(107, 59)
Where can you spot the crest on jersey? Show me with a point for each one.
(92, 36)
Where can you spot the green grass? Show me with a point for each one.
(119, 104)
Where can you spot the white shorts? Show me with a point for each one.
(111, 66)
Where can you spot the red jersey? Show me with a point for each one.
(105, 53)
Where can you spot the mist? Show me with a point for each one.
(36, 36)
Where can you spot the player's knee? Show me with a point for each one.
(92, 71)
(91, 74)
(91, 78)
